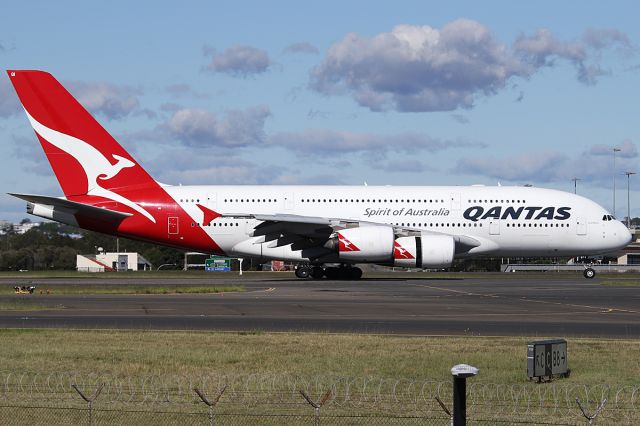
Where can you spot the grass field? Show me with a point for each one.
(139, 353)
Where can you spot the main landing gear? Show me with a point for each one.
(332, 273)
(589, 273)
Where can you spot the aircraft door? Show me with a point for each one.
(494, 227)
(455, 201)
(288, 201)
(123, 263)
(212, 201)
(581, 226)
(173, 225)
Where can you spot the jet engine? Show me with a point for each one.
(426, 251)
(364, 244)
(51, 212)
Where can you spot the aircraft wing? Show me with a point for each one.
(304, 232)
(57, 208)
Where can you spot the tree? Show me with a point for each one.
(50, 246)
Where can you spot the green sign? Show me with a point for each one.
(217, 264)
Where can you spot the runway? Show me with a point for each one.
(517, 306)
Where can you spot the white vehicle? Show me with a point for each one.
(107, 191)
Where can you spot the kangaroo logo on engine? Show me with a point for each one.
(477, 213)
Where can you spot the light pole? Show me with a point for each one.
(614, 180)
(628, 198)
(575, 184)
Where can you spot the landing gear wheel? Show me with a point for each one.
(589, 273)
(344, 273)
(356, 273)
(317, 272)
(332, 273)
(303, 272)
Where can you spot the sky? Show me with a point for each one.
(285, 92)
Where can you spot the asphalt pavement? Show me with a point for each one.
(514, 305)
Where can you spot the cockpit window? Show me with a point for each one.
(608, 217)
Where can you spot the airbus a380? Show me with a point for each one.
(316, 227)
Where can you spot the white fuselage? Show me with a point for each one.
(508, 221)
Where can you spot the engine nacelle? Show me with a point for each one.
(366, 244)
(427, 251)
(51, 212)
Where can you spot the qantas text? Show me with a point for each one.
(476, 213)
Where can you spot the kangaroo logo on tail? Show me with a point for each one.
(95, 165)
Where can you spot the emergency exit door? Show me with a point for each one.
(494, 227)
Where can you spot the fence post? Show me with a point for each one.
(89, 399)
(316, 405)
(591, 417)
(210, 404)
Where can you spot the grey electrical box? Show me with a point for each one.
(547, 358)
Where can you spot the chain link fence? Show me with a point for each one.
(282, 399)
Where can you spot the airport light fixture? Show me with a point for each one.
(628, 198)
(460, 373)
(614, 179)
(575, 184)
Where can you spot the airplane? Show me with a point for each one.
(325, 230)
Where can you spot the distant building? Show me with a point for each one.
(5, 226)
(630, 255)
(22, 228)
(109, 262)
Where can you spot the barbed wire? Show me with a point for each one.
(281, 392)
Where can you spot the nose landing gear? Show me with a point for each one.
(589, 273)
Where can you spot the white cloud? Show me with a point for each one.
(239, 61)
(331, 142)
(420, 68)
(627, 150)
(108, 99)
(181, 166)
(197, 127)
(603, 38)
(594, 165)
(416, 68)
(542, 49)
(537, 166)
(408, 165)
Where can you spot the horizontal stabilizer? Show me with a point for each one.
(43, 203)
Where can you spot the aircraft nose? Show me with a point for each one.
(624, 235)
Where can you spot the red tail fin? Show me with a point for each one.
(94, 170)
(83, 155)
